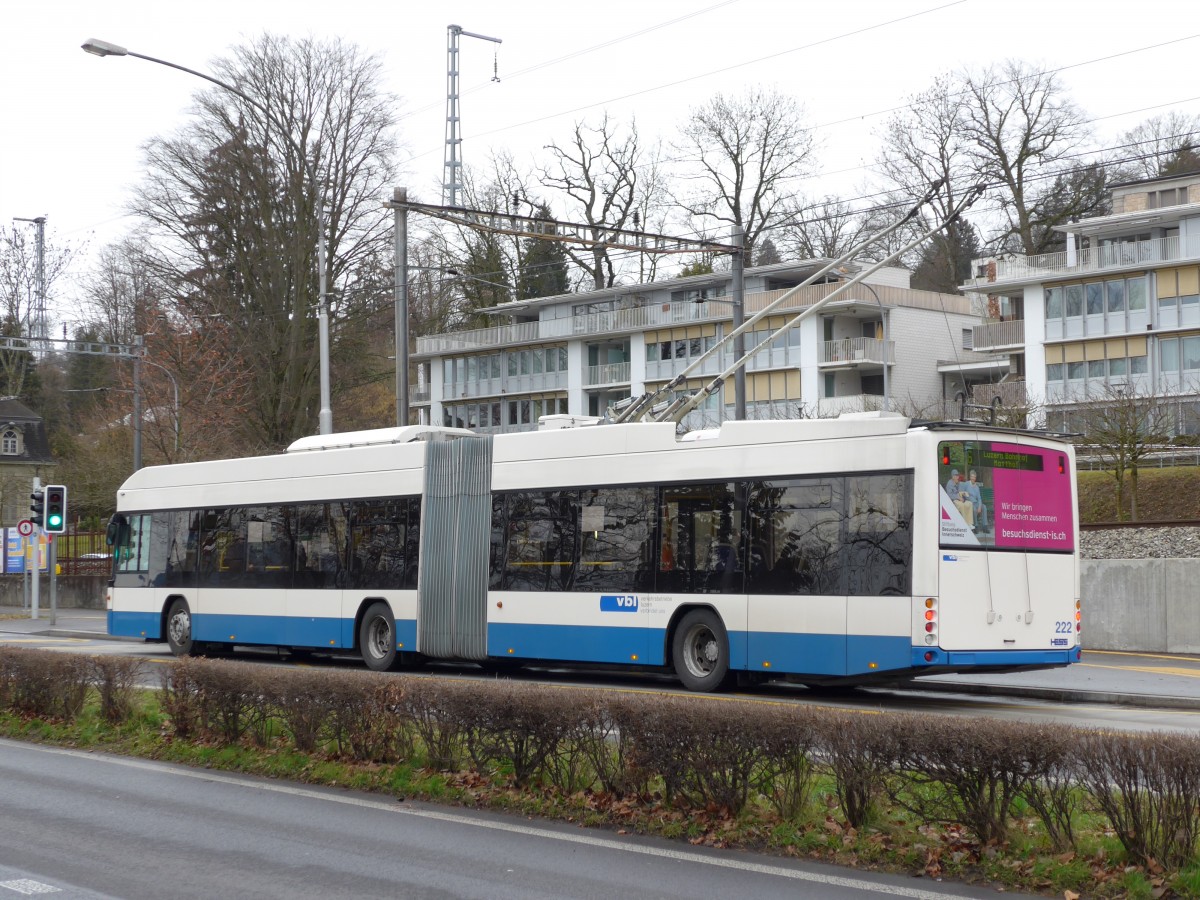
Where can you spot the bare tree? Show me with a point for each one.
(1122, 427)
(1155, 146)
(18, 295)
(742, 156)
(233, 207)
(1021, 126)
(826, 228)
(925, 145)
(598, 174)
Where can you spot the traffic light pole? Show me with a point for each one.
(36, 496)
(52, 566)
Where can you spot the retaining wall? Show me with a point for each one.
(1146, 605)
(74, 591)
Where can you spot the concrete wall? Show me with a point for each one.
(74, 591)
(1147, 605)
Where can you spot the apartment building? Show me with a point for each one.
(1117, 311)
(580, 353)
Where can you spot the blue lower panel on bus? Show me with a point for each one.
(1005, 658)
(578, 643)
(827, 654)
(146, 625)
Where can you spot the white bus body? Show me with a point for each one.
(820, 550)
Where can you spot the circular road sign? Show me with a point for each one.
(25, 528)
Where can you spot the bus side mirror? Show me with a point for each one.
(118, 528)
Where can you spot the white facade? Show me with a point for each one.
(1120, 309)
(578, 354)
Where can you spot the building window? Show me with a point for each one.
(10, 442)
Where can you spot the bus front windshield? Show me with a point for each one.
(1004, 496)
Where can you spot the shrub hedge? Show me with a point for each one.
(693, 755)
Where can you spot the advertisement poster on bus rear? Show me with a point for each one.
(1004, 496)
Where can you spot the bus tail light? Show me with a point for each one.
(930, 620)
(1078, 616)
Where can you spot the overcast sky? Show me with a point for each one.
(74, 124)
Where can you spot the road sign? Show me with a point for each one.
(25, 528)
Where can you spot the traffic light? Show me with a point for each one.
(37, 507)
(56, 508)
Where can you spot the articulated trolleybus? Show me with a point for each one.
(848, 550)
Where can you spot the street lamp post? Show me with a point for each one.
(325, 418)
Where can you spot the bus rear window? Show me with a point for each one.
(1004, 496)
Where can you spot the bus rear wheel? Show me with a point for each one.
(179, 629)
(377, 638)
(700, 651)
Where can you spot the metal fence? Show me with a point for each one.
(83, 553)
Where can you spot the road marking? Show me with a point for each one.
(1153, 670)
(1178, 657)
(29, 886)
(44, 640)
(588, 838)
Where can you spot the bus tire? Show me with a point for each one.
(377, 638)
(179, 629)
(700, 651)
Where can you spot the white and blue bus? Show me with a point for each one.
(843, 550)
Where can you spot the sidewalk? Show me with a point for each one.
(79, 623)
(1160, 680)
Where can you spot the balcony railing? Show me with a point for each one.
(999, 334)
(1087, 259)
(832, 407)
(856, 351)
(609, 373)
(1011, 393)
(664, 315)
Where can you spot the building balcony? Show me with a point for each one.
(663, 315)
(832, 407)
(1011, 393)
(609, 373)
(999, 335)
(1047, 266)
(420, 396)
(854, 352)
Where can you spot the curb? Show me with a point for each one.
(1057, 695)
(86, 635)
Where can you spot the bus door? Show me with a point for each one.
(702, 551)
(320, 612)
(244, 573)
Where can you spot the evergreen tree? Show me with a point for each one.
(544, 271)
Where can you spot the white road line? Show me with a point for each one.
(590, 838)
(29, 886)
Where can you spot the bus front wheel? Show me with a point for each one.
(377, 638)
(179, 629)
(700, 651)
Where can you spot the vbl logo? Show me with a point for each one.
(618, 603)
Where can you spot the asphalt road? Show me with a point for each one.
(90, 825)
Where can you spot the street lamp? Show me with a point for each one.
(325, 418)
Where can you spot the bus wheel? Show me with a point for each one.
(377, 638)
(179, 629)
(700, 651)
